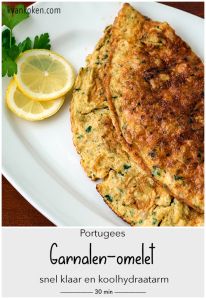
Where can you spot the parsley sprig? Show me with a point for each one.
(10, 48)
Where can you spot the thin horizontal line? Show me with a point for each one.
(76, 292)
(130, 292)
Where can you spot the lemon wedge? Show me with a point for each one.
(27, 108)
(43, 75)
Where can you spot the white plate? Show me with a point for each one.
(39, 159)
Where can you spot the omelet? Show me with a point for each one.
(124, 186)
(134, 198)
(154, 86)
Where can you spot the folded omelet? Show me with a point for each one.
(125, 186)
(154, 87)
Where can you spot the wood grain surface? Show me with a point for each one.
(16, 211)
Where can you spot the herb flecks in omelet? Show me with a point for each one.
(159, 114)
(125, 186)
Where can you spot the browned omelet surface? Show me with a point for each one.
(154, 85)
(125, 187)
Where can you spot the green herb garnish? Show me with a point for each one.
(11, 17)
(88, 129)
(178, 177)
(120, 173)
(156, 171)
(126, 166)
(108, 197)
(80, 136)
(98, 62)
(154, 221)
(42, 42)
(200, 155)
(152, 153)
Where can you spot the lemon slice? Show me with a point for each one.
(43, 75)
(27, 108)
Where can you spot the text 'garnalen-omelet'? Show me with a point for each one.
(137, 122)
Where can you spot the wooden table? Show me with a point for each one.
(16, 211)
